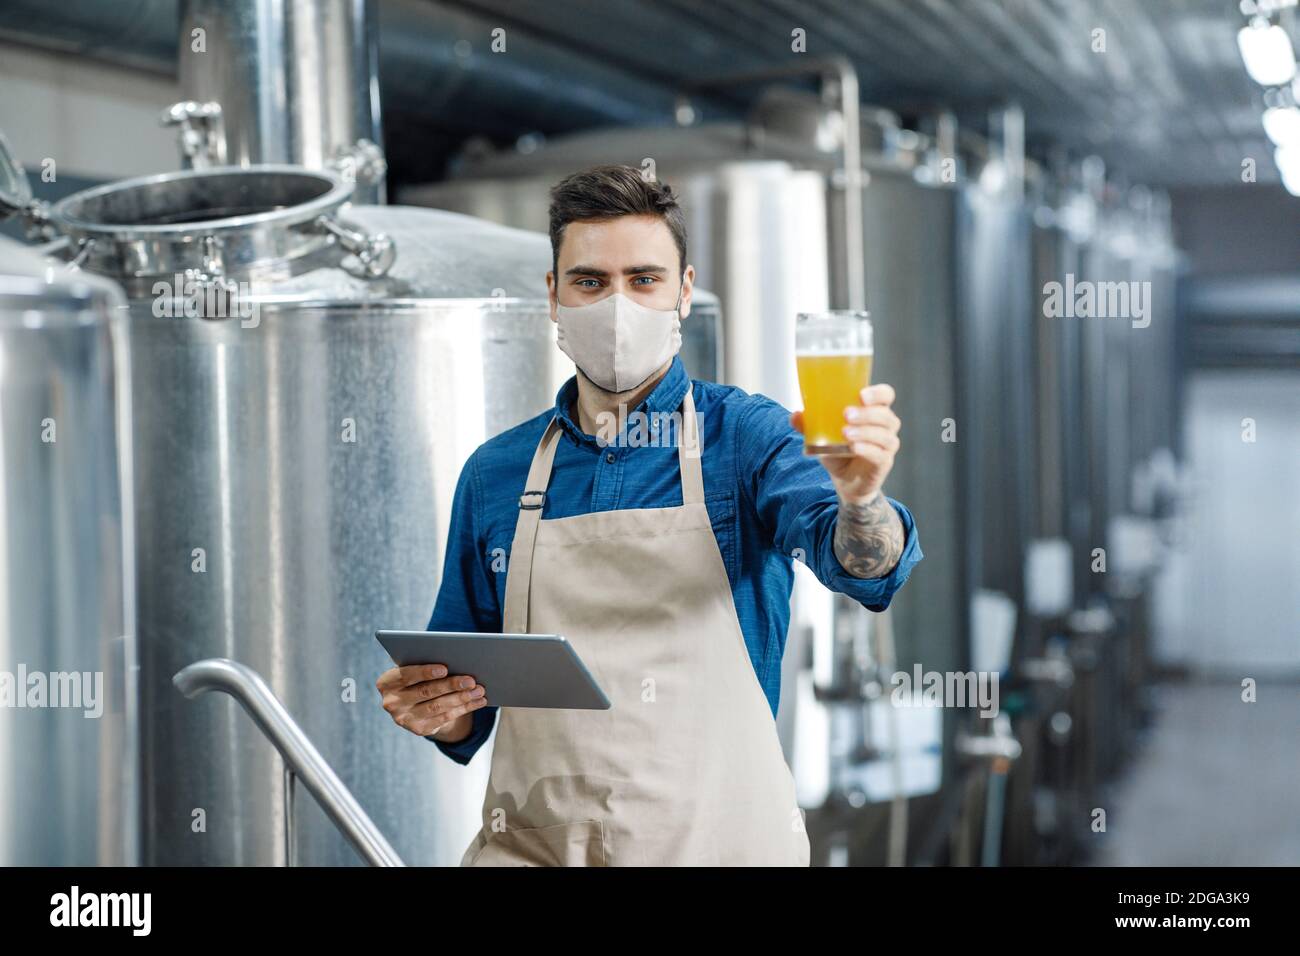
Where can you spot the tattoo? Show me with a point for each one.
(868, 537)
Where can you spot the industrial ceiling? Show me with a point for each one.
(1162, 94)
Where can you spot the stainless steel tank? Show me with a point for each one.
(68, 755)
(275, 82)
(911, 276)
(304, 406)
(1058, 233)
(995, 373)
(1106, 412)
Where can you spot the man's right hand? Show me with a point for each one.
(423, 699)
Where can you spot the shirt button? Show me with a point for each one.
(609, 457)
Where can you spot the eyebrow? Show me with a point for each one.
(629, 271)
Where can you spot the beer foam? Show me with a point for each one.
(849, 353)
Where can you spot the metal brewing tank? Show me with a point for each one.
(304, 407)
(911, 276)
(1063, 229)
(68, 773)
(995, 373)
(911, 262)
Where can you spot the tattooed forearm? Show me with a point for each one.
(868, 537)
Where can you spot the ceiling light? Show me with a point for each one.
(1266, 51)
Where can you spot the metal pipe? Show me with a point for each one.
(840, 70)
(1012, 123)
(888, 660)
(290, 831)
(435, 65)
(294, 82)
(300, 755)
(995, 802)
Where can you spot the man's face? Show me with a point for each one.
(634, 255)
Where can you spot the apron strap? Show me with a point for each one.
(690, 453)
(519, 576)
(519, 572)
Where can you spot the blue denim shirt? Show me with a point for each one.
(767, 500)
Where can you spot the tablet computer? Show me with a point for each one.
(518, 670)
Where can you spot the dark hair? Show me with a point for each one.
(607, 192)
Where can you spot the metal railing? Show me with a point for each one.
(301, 758)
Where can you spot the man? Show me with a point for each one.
(668, 565)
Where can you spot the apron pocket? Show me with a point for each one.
(565, 844)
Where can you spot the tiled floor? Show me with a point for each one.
(1216, 782)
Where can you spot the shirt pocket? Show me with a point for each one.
(723, 517)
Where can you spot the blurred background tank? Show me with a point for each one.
(69, 770)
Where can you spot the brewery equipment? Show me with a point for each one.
(68, 751)
(292, 83)
(315, 374)
(1103, 406)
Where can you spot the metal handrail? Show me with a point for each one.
(300, 756)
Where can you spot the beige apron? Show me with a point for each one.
(686, 767)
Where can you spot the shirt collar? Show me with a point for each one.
(665, 397)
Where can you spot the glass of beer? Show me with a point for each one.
(833, 354)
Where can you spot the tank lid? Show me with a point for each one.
(208, 222)
(201, 202)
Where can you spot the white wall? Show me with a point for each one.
(1230, 600)
(94, 121)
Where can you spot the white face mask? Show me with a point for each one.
(618, 343)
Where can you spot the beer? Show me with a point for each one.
(833, 353)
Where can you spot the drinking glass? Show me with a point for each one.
(833, 354)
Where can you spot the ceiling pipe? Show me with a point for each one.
(435, 63)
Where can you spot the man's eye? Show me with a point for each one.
(583, 283)
(649, 279)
